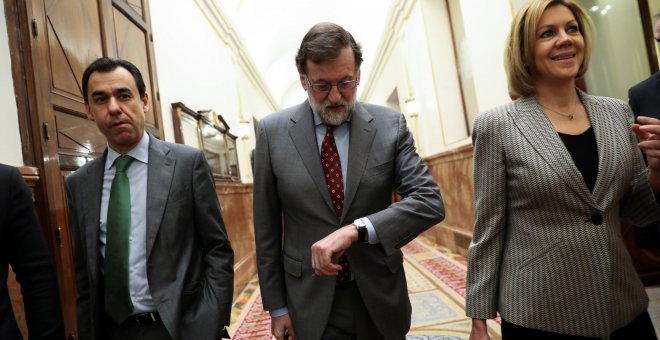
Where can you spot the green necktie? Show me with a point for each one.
(118, 303)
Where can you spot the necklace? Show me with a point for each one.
(570, 115)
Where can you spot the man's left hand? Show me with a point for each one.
(326, 251)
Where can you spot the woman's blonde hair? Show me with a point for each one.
(519, 50)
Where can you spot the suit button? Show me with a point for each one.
(596, 218)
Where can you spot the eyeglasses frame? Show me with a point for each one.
(338, 84)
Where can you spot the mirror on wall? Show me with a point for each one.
(208, 131)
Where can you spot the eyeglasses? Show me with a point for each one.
(326, 87)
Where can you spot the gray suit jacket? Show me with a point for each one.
(292, 210)
(189, 258)
(546, 252)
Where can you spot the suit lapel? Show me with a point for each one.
(303, 135)
(361, 138)
(159, 181)
(92, 211)
(539, 132)
(605, 130)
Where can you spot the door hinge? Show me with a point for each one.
(46, 131)
(34, 28)
(58, 236)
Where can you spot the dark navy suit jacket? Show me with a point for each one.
(22, 246)
(645, 101)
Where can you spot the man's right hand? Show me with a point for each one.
(281, 324)
(479, 330)
(330, 248)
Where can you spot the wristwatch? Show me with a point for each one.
(361, 227)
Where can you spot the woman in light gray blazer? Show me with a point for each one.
(555, 171)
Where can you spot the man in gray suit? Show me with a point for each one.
(327, 233)
(174, 256)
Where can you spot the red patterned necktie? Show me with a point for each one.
(335, 182)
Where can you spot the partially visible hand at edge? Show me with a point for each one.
(281, 324)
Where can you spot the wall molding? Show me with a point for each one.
(222, 26)
(399, 14)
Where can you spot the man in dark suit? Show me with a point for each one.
(22, 246)
(328, 236)
(644, 99)
(162, 269)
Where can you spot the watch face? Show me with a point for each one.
(362, 231)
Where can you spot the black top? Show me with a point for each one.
(584, 151)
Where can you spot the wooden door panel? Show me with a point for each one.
(74, 41)
(66, 276)
(58, 39)
(78, 135)
(135, 5)
(133, 44)
(62, 75)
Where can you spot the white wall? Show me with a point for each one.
(10, 152)
(196, 67)
(616, 46)
(446, 88)
(486, 27)
(419, 61)
(193, 65)
(407, 70)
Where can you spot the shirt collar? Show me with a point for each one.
(140, 152)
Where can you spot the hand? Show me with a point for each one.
(648, 132)
(326, 251)
(479, 330)
(281, 324)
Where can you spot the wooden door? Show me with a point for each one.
(58, 39)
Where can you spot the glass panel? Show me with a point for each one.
(189, 131)
(232, 156)
(215, 150)
(207, 131)
(619, 59)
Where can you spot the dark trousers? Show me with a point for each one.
(131, 331)
(641, 328)
(349, 318)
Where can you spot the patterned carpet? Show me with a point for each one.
(436, 284)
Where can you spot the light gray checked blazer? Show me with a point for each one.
(546, 252)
